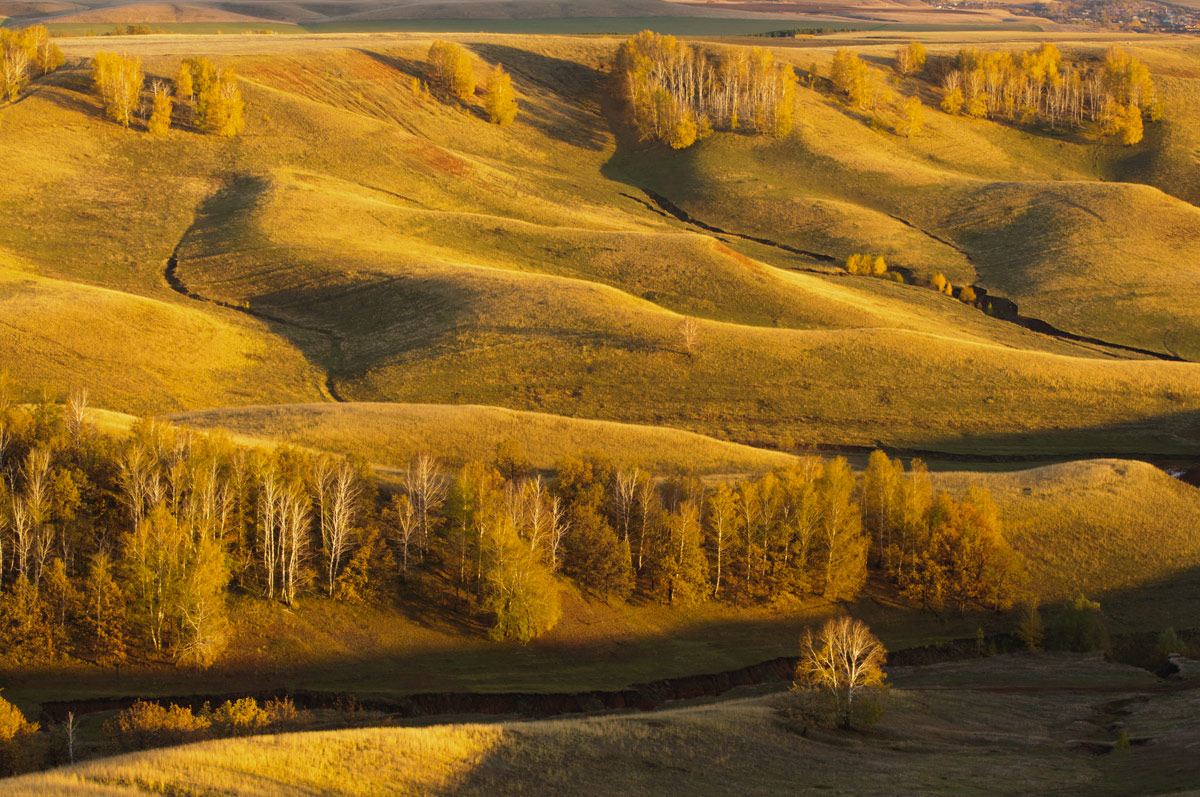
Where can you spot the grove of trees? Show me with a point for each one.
(450, 69)
(25, 54)
(213, 94)
(676, 93)
(118, 548)
(1115, 94)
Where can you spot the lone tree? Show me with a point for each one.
(501, 101)
(842, 660)
(689, 336)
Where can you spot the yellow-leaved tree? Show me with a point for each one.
(501, 99)
(450, 69)
(184, 89)
(119, 80)
(843, 661)
(223, 105)
(912, 118)
(160, 114)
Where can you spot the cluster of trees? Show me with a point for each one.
(1115, 94)
(25, 54)
(861, 88)
(116, 548)
(212, 93)
(910, 59)
(450, 71)
(677, 93)
(871, 266)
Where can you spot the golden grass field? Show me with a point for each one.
(460, 285)
(1024, 737)
(521, 267)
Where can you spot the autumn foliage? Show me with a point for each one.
(1039, 86)
(130, 549)
(676, 93)
(450, 69)
(501, 101)
(25, 54)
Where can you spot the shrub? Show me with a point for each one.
(144, 725)
(1081, 627)
(282, 713)
(20, 750)
(1168, 642)
(240, 718)
(1031, 630)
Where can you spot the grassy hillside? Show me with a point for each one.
(1101, 526)
(930, 740)
(392, 434)
(1021, 212)
(59, 333)
(523, 267)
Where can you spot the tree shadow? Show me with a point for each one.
(560, 95)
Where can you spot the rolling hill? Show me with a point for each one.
(526, 268)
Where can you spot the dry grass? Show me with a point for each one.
(1095, 527)
(59, 333)
(943, 740)
(392, 434)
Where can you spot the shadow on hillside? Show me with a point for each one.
(563, 92)
(600, 653)
(77, 96)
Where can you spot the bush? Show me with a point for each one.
(144, 725)
(1081, 627)
(240, 718)
(20, 748)
(803, 708)
(283, 714)
(1168, 642)
(1031, 631)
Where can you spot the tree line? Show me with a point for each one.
(210, 94)
(677, 93)
(1115, 94)
(118, 548)
(24, 55)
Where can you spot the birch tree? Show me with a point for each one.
(842, 660)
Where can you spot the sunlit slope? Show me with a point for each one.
(138, 354)
(305, 231)
(392, 434)
(1029, 215)
(418, 254)
(437, 332)
(1094, 527)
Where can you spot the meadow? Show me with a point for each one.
(792, 354)
(1028, 735)
(376, 272)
